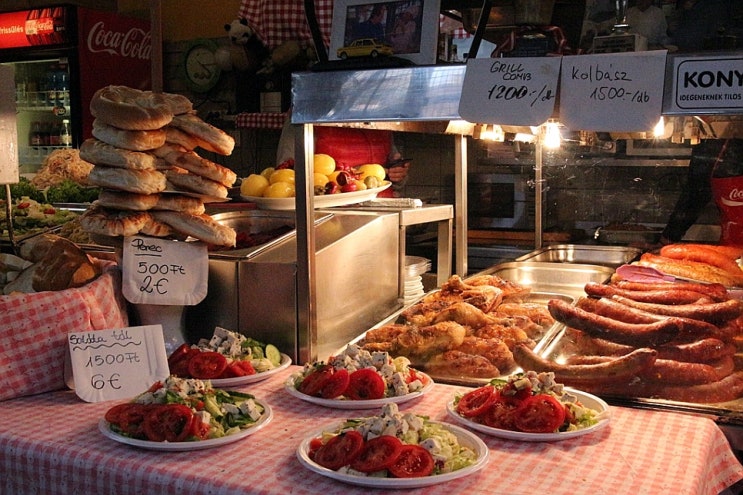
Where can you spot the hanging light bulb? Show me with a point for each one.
(552, 137)
(660, 128)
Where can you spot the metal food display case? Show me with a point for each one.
(254, 290)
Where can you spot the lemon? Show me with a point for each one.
(267, 172)
(371, 170)
(320, 179)
(324, 164)
(282, 175)
(253, 185)
(279, 190)
(333, 176)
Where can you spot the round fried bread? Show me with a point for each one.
(124, 179)
(109, 222)
(128, 140)
(210, 138)
(183, 180)
(99, 153)
(202, 227)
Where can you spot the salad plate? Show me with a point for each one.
(465, 438)
(286, 361)
(105, 428)
(321, 200)
(588, 400)
(358, 404)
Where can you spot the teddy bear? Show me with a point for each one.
(246, 52)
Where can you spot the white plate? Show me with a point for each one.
(357, 404)
(321, 201)
(464, 437)
(242, 380)
(588, 400)
(105, 428)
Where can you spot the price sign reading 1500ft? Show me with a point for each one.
(620, 92)
(161, 271)
(510, 91)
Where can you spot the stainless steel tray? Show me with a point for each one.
(567, 278)
(612, 256)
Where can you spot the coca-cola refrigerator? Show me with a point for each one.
(61, 56)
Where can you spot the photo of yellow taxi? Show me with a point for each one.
(364, 47)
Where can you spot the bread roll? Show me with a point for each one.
(175, 136)
(129, 108)
(195, 164)
(64, 266)
(122, 200)
(202, 227)
(182, 180)
(36, 247)
(156, 228)
(108, 222)
(210, 138)
(129, 140)
(123, 179)
(100, 153)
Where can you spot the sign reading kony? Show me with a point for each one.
(712, 84)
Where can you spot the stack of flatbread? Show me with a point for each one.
(154, 182)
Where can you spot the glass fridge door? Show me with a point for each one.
(43, 110)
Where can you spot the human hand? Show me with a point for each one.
(398, 173)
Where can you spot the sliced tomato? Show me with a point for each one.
(510, 393)
(413, 462)
(339, 451)
(180, 353)
(168, 423)
(540, 413)
(336, 385)
(477, 401)
(207, 365)
(129, 417)
(378, 453)
(365, 384)
(180, 367)
(501, 414)
(313, 383)
(198, 428)
(245, 365)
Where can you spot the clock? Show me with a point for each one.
(200, 67)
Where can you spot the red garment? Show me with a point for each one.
(352, 147)
(728, 195)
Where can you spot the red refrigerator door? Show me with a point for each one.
(112, 49)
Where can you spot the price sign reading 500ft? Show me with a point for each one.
(164, 272)
(156, 277)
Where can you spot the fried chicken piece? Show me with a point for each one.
(464, 314)
(508, 288)
(423, 313)
(382, 338)
(538, 313)
(460, 364)
(504, 329)
(431, 339)
(484, 297)
(494, 350)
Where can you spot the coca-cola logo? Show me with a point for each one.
(736, 194)
(135, 43)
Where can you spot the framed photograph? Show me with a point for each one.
(407, 29)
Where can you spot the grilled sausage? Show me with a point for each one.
(619, 369)
(637, 335)
(718, 292)
(713, 312)
(702, 254)
(661, 296)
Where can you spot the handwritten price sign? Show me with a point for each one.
(620, 92)
(161, 271)
(118, 363)
(510, 91)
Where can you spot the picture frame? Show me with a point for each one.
(411, 27)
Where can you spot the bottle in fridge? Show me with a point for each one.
(61, 56)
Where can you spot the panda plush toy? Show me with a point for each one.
(245, 53)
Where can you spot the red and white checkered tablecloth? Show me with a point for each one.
(50, 444)
(260, 120)
(278, 21)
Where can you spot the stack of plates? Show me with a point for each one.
(415, 266)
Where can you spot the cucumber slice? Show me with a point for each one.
(273, 354)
